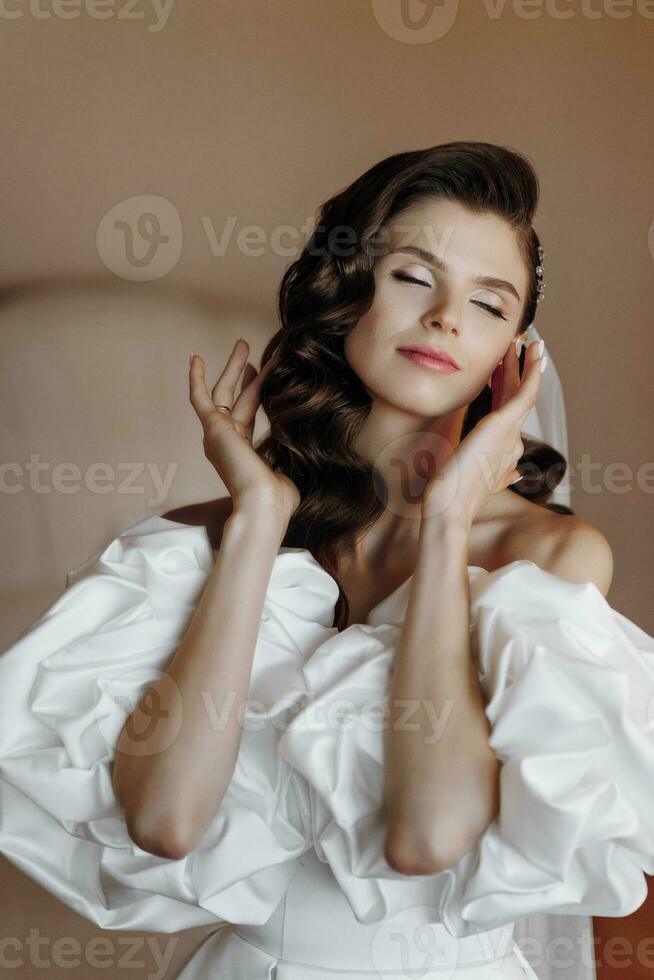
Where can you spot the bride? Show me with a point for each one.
(371, 710)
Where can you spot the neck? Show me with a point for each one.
(401, 448)
(404, 450)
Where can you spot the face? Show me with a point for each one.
(439, 302)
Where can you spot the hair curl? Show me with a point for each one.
(314, 401)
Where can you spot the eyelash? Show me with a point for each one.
(491, 309)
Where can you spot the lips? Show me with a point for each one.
(435, 353)
(428, 362)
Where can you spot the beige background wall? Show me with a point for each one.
(223, 115)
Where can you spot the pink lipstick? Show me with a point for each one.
(430, 357)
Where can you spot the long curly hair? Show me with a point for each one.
(314, 401)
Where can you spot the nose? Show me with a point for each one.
(442, 314)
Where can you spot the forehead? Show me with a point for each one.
(469, 242)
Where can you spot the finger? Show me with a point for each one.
(243, 417)
(497, 382)
(223, 392)
(511, 375)
(524, 399)
(249, 399)
(249, 373)
(198, 392)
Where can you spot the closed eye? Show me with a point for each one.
(404, 278)
(491, 309)
(486, 306)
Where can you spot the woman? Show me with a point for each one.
(378, 708)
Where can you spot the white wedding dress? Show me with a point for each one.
(291, 869)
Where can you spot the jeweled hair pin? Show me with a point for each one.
(540, 272)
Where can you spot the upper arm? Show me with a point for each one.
(582, 554)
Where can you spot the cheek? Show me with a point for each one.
(491, 354)
(364, 346)
(481, 363)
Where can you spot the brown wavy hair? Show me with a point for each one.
(314, 401)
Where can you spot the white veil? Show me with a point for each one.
(547, 419)
(559, 947)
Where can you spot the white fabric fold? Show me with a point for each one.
(66, 688)
(569, 686)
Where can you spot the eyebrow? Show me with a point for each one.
(491, 281)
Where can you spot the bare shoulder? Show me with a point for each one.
(563, 544)
(211, 514)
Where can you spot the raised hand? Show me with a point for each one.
(228, 425)
(484, 462)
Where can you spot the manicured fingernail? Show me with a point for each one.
(518, 346)
(541, 347)
(190, 360)
(543, 364)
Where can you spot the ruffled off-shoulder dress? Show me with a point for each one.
(291, 869)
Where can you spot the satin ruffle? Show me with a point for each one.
(569, 685)
(67, 686)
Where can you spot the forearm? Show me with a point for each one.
(192, 715)
(441, 776)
